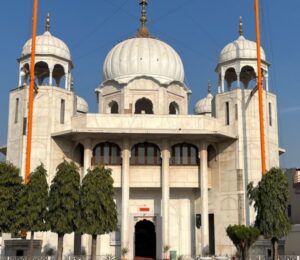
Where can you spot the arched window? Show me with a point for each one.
(173, 108)
(24, 74)
(143, 106)
(106, 154)
(230, 77)
(184, 154)
(145, 154)
(113, 107)
(211, 155)
(78, 154)
(247, 75)
(59, 75)
(42, 73)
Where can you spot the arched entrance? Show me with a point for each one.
(145, 240)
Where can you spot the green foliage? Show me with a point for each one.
(32, 205)
(64, 199)
(48, 250)
(242, 237)
(10, 189)
(97, 206)
(270, 199)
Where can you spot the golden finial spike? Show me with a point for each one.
(143, 30)
(209, 87)
(241, 27)
(48, 23)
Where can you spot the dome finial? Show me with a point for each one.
(209, 87)
(241, 27)
(143, 30)
(48, 23)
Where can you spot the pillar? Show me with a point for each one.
(267, 82)
(125, 194)
(165, 193)
(87, 157)
(204, 198)
(51, 76)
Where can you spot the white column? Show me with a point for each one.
(51, 76)
(204, 198)
(87, 157)
(165, 193)
(238, 80)
(125, 194)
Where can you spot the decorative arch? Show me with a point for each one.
(184, 154)
(42, 73)
(173, 108)
(211, 155)
(145, 154)
(230, 77)
(24, 75)
(247, 75)
(106, 153)
(113, 107)
(143, 106)
(59, 75)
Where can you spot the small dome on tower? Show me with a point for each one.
(47, 44)
(204, 106)
(240, 48)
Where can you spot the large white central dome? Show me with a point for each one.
(143, 56)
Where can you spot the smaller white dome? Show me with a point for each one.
(82, 106)
(47, 44)
(240, 49)
(203, 106)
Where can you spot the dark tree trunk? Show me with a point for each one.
(60, 242)
(94, 247)
(275, 248)
(30, 251)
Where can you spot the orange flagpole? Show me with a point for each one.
(31, 92)
(260, 90)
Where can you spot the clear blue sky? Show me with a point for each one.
(197, 29)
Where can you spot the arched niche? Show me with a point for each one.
(145, 154)
(173, 108)
(42, 73)
(78, 155)
(24, 74)
(106, 154)
(143, 106)
(230, 77)
(211, 156)
(59, 75)
(113, 107)
(184, 154)
(247, 75)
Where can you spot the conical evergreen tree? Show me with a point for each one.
(10, 189)
(97, 206)
(270, 199)
(64, 202)
(32, 205)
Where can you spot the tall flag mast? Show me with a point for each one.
(260, 90)
(31, 91)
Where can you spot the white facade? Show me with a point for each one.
(169, 166)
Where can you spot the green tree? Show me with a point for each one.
(32, 205)
(243, 238)
(63, 202)
(97, 206)
(10, 189)
(270, 199)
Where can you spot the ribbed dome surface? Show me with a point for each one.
(203, 106)
(143, 57)
(47, 44)
(240, 49)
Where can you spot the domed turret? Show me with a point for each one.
(238, 63)
(204, 106)
(53, 60)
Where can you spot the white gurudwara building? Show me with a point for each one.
(180, 179)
